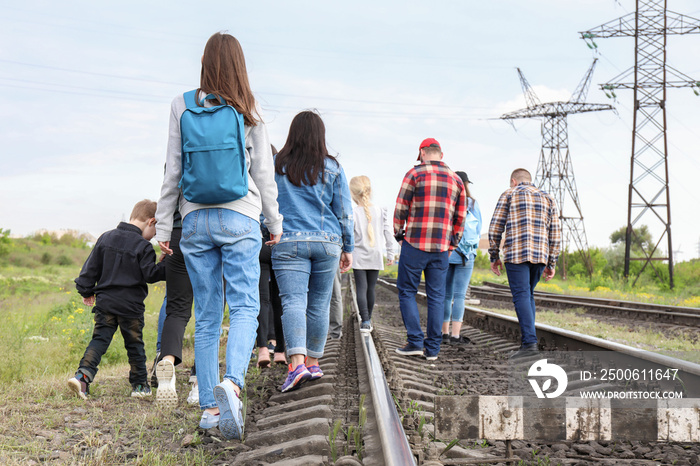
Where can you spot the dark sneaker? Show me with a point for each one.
(152, 372)
(140, 391)
(166, 396)
(366, 326)
(525, 351)
(79, 386)
(430, 357)
(410, 350)
(296, 377)
(445, 338)
(230, 410)
(460, 340)
(315, 371)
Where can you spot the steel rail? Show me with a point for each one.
(395, 446)
(553, 337)
(591, 300)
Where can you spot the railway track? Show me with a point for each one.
(649, 312)
(482, 370)
(376, 407)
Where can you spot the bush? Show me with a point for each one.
(482, 260)
(5, 242)
(64, 260)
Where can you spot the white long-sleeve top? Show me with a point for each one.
(366, 257)
(262, 189)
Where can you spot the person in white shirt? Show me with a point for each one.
(370, 221)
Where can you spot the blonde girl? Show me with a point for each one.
(371, 222)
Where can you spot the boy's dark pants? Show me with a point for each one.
(131, 328)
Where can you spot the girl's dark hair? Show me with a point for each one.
(303, 157)
(224, 74)
(465, 181)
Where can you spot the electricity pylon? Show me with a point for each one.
(555, 171)
(648, 188)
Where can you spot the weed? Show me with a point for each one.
(333, 438)
(450, 446)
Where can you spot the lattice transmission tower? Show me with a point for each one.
(649, 195)
(555, 171)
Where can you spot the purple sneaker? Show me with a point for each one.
(295, 378)
(315, 371)
(79, 386)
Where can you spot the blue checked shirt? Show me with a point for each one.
(530, 220)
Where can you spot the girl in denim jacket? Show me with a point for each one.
(314, 199)
(459, 272)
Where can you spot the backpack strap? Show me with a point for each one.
(190, 99)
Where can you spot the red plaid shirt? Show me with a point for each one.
(432, 204)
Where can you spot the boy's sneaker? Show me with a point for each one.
(79, 386)
(208, 420)
(430, 357)
(166, 395)
(366, 326)
(230, 410)
(445, 338)
(193, 397)
(460, 340)
(410, 350)
(140, 391)
(296, 377)
(315, 371)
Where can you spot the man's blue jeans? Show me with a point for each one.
(456, 284)
(305, 271)
(523, 279)
(412, 263)
(222, 245)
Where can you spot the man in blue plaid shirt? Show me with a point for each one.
(530, 220)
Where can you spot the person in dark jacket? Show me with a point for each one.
(115, 280)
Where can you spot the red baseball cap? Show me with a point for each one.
(429, 142)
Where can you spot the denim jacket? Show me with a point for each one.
(466, 250)
(322, 212)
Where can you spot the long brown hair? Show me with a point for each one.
(224, 73)
(303, 157)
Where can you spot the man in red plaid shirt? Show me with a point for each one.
(430, 212)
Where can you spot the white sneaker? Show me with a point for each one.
(193, 397)
(166, 394)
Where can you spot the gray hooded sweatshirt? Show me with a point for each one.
(262, 189)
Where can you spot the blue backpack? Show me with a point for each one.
(214, 168)
(470, 238)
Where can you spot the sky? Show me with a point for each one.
(85, 92)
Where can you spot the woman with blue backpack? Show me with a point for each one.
(219, 170)
(459, 272)
(318, 237)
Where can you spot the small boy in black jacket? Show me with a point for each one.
(115, 280)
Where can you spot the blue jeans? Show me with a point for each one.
(523, 279)
(456, 284)
(221, 248)
(412, 263)
(305, 271)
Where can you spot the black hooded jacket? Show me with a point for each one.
(118, 270)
